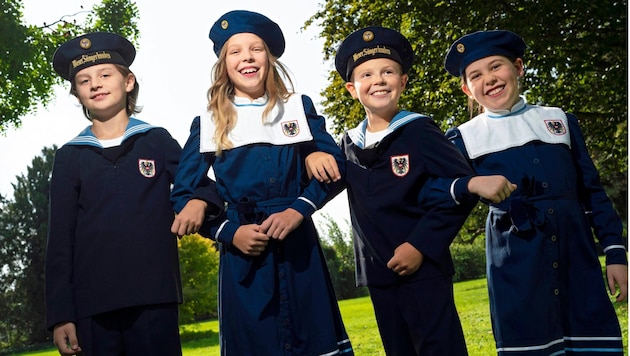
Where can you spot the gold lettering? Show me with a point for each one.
(370, 52)
(91, 58)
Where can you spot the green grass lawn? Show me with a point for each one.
(471, 298)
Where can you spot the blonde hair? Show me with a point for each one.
(221, 96)
(132, 96)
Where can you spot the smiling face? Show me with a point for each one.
(247, 64)
(378, 84)
(493, 82)
(102, 90)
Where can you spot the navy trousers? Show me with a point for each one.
(142, 330)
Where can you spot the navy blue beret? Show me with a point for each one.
(92, 49)
(482, 44)
(369, 43)
(242, 21)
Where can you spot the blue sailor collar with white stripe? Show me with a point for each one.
(357, 134)
(87, 138)
(515, 109)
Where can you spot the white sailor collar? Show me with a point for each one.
(286, 124)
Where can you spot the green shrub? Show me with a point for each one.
(469, 261)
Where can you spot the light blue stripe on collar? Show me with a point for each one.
(87, 138)
(240, 101)
(517, 108)
(357, 134)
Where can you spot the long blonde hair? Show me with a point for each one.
(221, 96)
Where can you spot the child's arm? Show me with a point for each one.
(406, 260)
(323, 167)
(65, 338)
(603, 218)
(493, 188)
(191, 183)
(190, 219)
(315, 194)
(618, 275)
(452, 192)
(250, 239)
(279, 225)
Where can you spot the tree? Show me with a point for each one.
(576, 59)
(25, 64)
(199, 266)
(23, 227)
(339, 254)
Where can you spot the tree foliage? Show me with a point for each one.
(27, 76)
(576, 59)
(23, 229)
(339, 254)
(199, 267)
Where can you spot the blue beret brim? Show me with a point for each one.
(242, 21)
(481, 44)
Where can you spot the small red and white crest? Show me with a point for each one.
(147, 167)
(291, 128)
(556, 127)
(400, 165)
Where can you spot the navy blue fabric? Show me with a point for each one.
(109, 241)
(545, 283)
(419, 318)
(242, 21)
(281, 302)
(369, 43)
(481, 44)
(388, 210)
(145, 330)
(92, 49)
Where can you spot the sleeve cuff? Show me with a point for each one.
(616, 255)
(304, 206)
(459, 190)
(225, 232)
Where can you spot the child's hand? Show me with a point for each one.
(279, 225)
(322, 166)
(618, 275)
(494, 188)
(250, 240)
(406, 260)
(189, 220)
(65, 338)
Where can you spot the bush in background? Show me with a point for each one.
(199, 268)
(469, 261)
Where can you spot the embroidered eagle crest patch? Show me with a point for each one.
(556, 127)
(291, 128)
(147, 167)
(400, 165)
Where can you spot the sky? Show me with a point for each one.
(173, 65)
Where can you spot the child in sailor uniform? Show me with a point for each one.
(547, 295)
(275, 292)
(402, 224)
